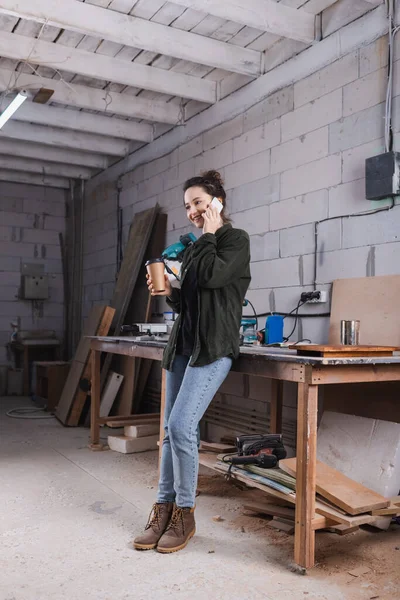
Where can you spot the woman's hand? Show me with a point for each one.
(212, 220)
(166, 292)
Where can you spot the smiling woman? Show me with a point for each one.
(199, 354)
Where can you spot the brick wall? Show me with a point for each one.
(31, 218)
(295, 158)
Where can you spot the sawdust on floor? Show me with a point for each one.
(335, 555)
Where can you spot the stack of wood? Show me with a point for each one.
(141, 433)
(341, 504)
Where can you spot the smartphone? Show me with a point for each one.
(217, 204)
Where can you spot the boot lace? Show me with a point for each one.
(177, 520)
(154, 517)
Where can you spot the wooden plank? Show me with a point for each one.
(270, 509)
(83, 96)
(110, 391)
(78, 364)
(343, 529)
(139, 236)
(349, 495)
(123, 403)
(137, 33)
(340, 517)
(392, 509)
(260, 366)
(263, 15)
(115, 70)
(80, 395)
(336, 374)
(307, 408)
(61, 138)
(34, 179)
(216, 447)
(320, 522)
(282, 526)
(276, 406)
(340, 351)
(95, 404)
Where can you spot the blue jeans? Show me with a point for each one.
(189, 391)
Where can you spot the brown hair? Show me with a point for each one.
(213, 184)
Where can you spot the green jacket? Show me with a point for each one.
(222, 264)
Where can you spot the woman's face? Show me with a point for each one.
(196, 203)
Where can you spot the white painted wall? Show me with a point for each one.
(31, 218)
(292, 159)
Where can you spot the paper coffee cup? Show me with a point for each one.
(155, 269)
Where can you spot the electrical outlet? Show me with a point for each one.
(315, 297)
(323, 297)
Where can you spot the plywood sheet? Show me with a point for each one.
(342, 491)
(343, 351)
(374, 301)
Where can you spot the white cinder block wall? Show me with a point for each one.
(31, 218)
(293, 159)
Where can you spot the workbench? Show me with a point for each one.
(278, 365)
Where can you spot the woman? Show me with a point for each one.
(215, 276)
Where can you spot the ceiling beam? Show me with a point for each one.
(107, 68)
(265, 15)
(84, 122)
(138, 33)
(72, 140)
(38, 166)
(34, 179)
(83, 96)
(21, 149)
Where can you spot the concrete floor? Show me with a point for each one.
(68, 515)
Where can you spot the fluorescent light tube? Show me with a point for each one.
(12, 107)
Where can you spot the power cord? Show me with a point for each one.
(28, 412)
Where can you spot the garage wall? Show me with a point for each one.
(295, 158)
(31, 218)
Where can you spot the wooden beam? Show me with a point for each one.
(265, 15)
(72, 60)
(38, 166)
(85, 122)
(33, 179)
(307, 408)
(344, 41)
(52, 155)
(138, 33)
(52, 136)
(83, 96)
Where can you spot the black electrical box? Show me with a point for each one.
(382, 176)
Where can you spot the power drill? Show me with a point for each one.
(263, 450)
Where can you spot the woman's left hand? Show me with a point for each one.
(212, 220)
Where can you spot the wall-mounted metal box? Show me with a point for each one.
(35, 287)
(382, 176)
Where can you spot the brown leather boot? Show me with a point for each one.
(181, 528)
(156, 525)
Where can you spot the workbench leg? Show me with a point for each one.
(26, 371)
(95, 402)
(275, 415)
(162, 413)
(307, 408)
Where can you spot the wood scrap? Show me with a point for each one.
(392, 509)
(282, 525)
(133, 420)
(80, 362)
(216, 447)
(81, 395)
(342, 491)
(340, 351)
(343, 529)
(110, 391)
(272, 510)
